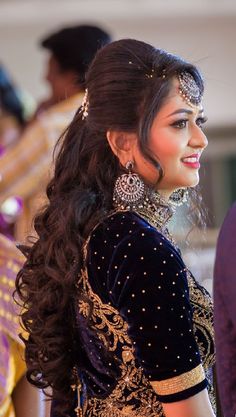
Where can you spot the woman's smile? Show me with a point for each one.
(192, 161)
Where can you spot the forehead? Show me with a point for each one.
(53, 64)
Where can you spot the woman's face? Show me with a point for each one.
(177, 141)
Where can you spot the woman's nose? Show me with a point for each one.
(198, 139)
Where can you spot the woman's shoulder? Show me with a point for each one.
(126, 229)
(125, 225)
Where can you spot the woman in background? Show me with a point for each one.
(12, 123)
(116, 320)
(17, 397)
(12, 111)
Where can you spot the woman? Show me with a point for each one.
(12, 122)
(109, 305)
(12, 117)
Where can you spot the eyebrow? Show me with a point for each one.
(184, 111)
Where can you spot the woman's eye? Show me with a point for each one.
(200, 121)
(180, 124)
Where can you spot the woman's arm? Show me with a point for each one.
(152, 295)
(27, 400)
(196, 406)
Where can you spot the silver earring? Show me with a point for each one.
(129, 189)
(179, 197)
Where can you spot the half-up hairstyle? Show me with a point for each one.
(127, 83)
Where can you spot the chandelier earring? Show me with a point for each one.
(129, 190)
(179, 197)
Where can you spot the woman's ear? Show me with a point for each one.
(122, 145)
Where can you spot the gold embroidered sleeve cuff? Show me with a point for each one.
(187, 382)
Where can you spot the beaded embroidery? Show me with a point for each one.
(132, 383)
(180, 383)
(132, 386)
(155, 210)
(105, 317)
(203, 326)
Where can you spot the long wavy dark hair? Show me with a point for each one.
(126, 89)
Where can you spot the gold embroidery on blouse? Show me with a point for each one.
(105, 317)
(202, 321)
(203, 329)
(131, 386)
(180, 383)
(133, 395)
(158, 218)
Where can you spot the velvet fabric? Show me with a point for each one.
(134, 268)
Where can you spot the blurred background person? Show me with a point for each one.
(25, 168)
(12, 117)
(70, 51)
(17, 397)
(225, 313)
(15, 108)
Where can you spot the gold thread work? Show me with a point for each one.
(133, 387)
(179, 383)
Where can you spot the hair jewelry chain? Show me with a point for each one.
(188, 89)
(84, 105)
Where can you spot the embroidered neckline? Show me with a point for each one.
(133, 385)
(112, 330)
(155, 210)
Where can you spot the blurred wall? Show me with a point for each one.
(203, 32)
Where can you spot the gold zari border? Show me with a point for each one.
(179, 383)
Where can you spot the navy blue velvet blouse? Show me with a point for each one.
(144, 322)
